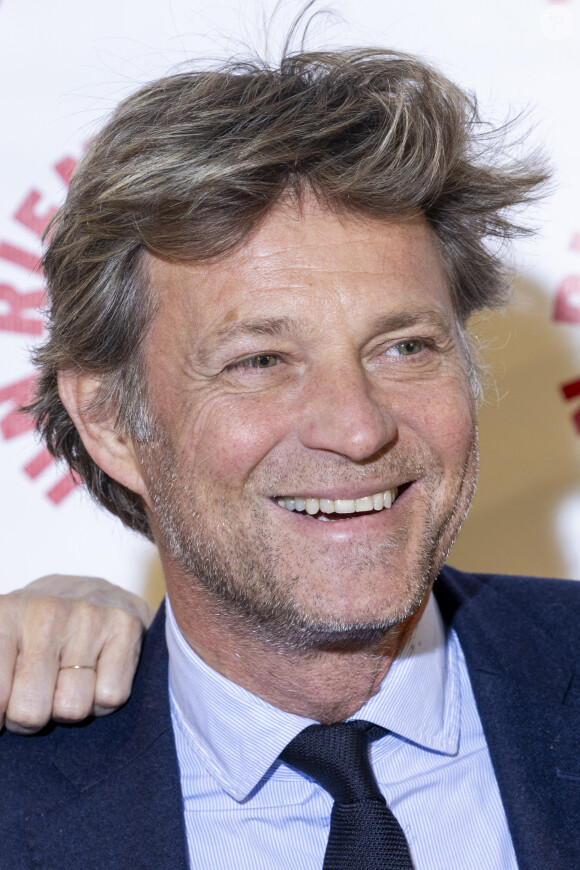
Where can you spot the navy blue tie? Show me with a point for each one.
(364, 834)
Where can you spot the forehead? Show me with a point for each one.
(308, 261)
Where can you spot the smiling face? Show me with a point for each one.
(319, 368)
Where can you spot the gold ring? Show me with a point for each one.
(78, 668)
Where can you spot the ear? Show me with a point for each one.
(109, 449)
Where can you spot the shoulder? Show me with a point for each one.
(54, 764)
(551, 592)
(551, 605)
(105, 793)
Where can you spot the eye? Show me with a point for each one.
(261, 361)
(407, 348)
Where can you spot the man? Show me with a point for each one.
(260, 284)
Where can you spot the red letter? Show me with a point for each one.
(38, 463)
(16, 319)
(28, 261)
(567, 305)
(65, 168)
(571, 389)
(15, 422)
(27, 215)
(63, 487)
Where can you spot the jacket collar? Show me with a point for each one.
(523, 681)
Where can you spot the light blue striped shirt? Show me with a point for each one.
(248, 811)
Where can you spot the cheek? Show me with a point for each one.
(444, 420)
(225, 439)
(452, 426)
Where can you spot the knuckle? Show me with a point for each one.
(82, 614)
(105, 624)
(25, 717)
(10, 614)
(71, 709)
(45, 618)
(122, 635)
(110, 697)
(21, 730)
(123, 621)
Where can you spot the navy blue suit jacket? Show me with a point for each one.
(106, 795)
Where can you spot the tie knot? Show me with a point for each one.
(337, 757)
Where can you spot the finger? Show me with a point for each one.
(36, 670)
(117, 663)
(74, 694)
(8, 654)
(80, 647)
(30, 704)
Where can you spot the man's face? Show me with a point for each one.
(321, 361)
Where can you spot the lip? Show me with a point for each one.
(338, 493)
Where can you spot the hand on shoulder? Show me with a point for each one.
(69, 648)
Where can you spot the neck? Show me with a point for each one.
(324, 684)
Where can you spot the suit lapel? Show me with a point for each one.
(127, 809)
(523, 684)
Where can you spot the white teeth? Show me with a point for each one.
(344, 505)
(312, 506)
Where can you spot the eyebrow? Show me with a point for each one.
(272, 326)
(405, 319)
(281, 326)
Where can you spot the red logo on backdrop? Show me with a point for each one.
(567, 304)
(19, 314)
(567, 310)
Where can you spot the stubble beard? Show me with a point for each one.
(245, 578)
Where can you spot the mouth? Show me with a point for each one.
(337, 509)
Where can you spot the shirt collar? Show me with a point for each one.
(419, 698)
(238, 736)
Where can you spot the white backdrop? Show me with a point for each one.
(65, 65)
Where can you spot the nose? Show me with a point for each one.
(344, 412)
